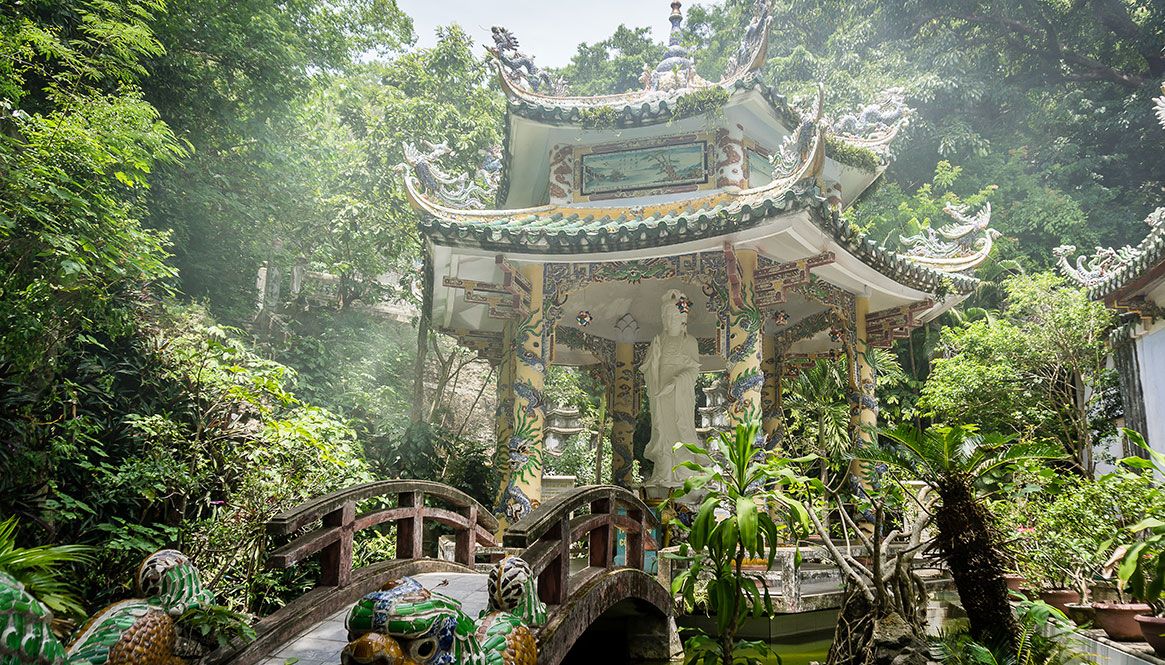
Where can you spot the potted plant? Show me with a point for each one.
(1142, 567)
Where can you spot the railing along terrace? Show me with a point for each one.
(547, 533)
(471, 522)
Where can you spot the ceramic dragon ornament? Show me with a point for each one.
(522, 69)
(138, 631)
(403, 623)
(956, 247)
(1091, 270)
(455, 192)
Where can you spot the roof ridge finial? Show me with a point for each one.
(676, 18)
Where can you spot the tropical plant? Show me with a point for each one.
(1142, 567)
(748, 484)
(39, 569)
(1035, 646)
(951, 459)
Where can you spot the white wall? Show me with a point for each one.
(1151, 358)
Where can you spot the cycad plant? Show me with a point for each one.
(38, 569)
(817, 397)
(744, 487)
(951, 460)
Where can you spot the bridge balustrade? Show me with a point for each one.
(548, 532)
(333, 541)
(471, 522)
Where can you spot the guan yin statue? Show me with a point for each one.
(670, 371)
(404, 623)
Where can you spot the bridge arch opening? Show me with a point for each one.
(631, 629)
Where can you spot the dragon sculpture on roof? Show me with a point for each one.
(521, 65)
(459, 192)
(1091, 270)
(956, 247)
(874, 120)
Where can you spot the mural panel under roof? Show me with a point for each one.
(644, 169)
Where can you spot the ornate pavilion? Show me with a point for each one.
(722, 191)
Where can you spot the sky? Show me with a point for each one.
(549, 30)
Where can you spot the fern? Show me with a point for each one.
(38, 569)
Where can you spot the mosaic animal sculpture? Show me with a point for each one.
(455, 192)
(1090, 270)
(138, 631)
(403, 623)
(521, 65)
(876, 117)
(955, 247)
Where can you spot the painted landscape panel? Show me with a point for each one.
(644, 168)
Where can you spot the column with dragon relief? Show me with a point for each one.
(561, 175)
(623, 401)
(521, 454)
(770, 398)
(504, 413)
(863, 399)
(730, 157)
(745, 321)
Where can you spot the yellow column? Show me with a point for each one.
(623, 414)
(863, 409)
(504, 413)
(770, 396)
(521, 483)
(744, 347)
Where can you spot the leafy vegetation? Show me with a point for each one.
(746, 478)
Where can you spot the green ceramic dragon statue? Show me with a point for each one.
(138, 631)
(404, 623)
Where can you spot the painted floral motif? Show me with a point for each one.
(684, 304)
(781, 317)
(584, 318)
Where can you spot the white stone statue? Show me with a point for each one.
(670, 372)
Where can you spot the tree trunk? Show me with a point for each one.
(969, 544)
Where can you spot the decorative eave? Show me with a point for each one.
(570, 230)
(1134, 274)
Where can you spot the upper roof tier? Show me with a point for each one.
(674, 76)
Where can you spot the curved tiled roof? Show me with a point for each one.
(1150, 253)
(554, 229)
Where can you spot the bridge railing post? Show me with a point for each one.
(336, 558)
(635, 540)
(410, 530)
(602, 539)
(553, 582)
(465, 539)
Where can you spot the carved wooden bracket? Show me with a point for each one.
(771, 280)
(508, 300)
(1139, 305)
(887, 325)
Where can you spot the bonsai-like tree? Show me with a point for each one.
(951, 460)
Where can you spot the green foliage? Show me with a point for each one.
(954, 646)
(1071, 525)
(599, 117)
(1142, 567)
(701, 102)
(218, 623)
(850, 155)
(747, 477)
(613, 65)
(39, 569)
(1019, 372)
(951, 460)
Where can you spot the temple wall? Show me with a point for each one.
(1151, 362)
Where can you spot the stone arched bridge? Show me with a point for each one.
(598, 606)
